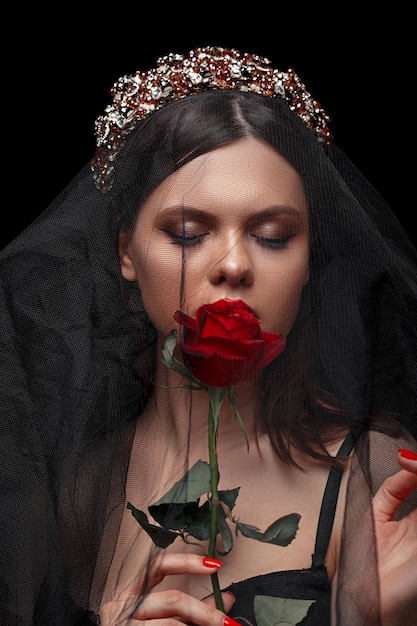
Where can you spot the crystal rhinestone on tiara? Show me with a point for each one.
(177, 76)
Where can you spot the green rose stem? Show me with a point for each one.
(216, 395)
(204, 479)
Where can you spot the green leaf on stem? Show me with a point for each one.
(174, 516)
(179, 506)
(179, 510)
(172, 363)
(229, 496)
(199, 528)
(225, 533)
(160, 536)
(270, 611)
(279, 533)
(190, 487)
(168, 349)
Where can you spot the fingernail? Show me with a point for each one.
(407, 454)
(228, 621)
(207, 562)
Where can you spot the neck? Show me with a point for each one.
(182, 414)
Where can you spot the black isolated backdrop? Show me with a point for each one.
(60, 67)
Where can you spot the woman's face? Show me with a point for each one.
(232, 223)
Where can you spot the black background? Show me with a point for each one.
(60, 67)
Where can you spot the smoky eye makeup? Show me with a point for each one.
(276, 229)
(273, 242)
(272, 228)
(184, 240)
(185, 227)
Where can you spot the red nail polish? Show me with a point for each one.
(228, 621)
(407, 454)
(211, 562)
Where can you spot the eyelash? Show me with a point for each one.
(183, 240)
(278, 243)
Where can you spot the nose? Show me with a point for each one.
(234, 266)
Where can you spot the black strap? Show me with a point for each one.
(328, 505)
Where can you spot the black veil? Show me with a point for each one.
(78, 353)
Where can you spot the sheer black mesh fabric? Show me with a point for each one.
(77, 355)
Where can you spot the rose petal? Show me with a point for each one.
(224, 343)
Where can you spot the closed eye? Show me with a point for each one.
(180, 239)
(273, 242)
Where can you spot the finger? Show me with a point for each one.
(174, 603)
(228, 600)
(394, 490)
(169, 564)
(408, 460)
(126, 600)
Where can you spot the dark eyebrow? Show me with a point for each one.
(280, 209)
(184, 210)
(200, 214)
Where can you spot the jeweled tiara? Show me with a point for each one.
(177, 76)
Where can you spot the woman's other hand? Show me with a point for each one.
(397, 544)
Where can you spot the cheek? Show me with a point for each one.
(287, 292)
(294, 297)
(160, 285)
(291, 313)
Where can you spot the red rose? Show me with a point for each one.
(225, 344)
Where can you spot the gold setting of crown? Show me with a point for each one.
(177, 76)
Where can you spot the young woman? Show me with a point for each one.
(215, 184)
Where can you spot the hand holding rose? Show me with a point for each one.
(163, 605)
